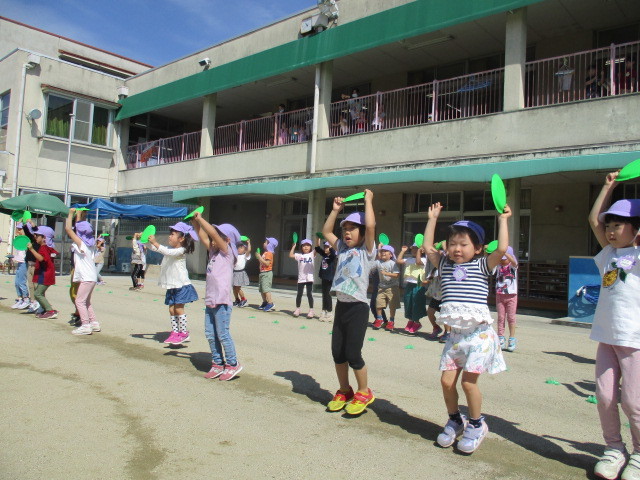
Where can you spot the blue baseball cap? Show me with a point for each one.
(474, 227)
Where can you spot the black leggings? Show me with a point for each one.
(309, 294)
(137, 272)
(326, 295)
(349, 328)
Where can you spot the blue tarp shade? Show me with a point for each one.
(109, 209)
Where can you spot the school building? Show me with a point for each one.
(421, 101)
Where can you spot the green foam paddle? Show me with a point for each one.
(150, 230)
(592, 399)
(491, 247)
(129, 237)
(419, 238)
(258, 250)
(383, 239)
(244, 238)
(17, 215)
(355, 196)
(498, 193)
(630, 171)
(320, 235)
(105, 235)
(26, 216)
(20, 242)
(439, 245)
(295, 237)
(82, 209)
(200, 209)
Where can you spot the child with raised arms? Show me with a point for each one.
(265, 278)
(220, 241)
(326, 273)
(616, 328)
(473, 347)
(305, 261)
(44, 274)
(174, 277)
(388, 286)
(356, 254)
(415, 300)
(240, 277)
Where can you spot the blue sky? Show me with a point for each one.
(150, 31)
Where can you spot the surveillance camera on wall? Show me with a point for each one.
(205, 62)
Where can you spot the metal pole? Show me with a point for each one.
(72, 128)
(314, 127)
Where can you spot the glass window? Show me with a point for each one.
(5, 99)
(92, 123)
(474, 201)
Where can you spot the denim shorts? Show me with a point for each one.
(184, 294)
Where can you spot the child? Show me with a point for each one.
(305, 274)
(28, 229)
(473, 346)
(240, 277)
(265, 279)
(388, 286)
(415, 300)
(45, 272)
(220, 241)
(327, 272)
(84, 272)
(616, 328)
(137, 262)
(507, 298)
(356, 255)
(20, 281)
(175, 277)
(99, 259)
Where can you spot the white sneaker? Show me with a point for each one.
(632, 472)
(95, 326)
(18, 304)
(610, 464)
(83, 330)
(472, 437)
(25, 304)
(34, 307)
(452, 430)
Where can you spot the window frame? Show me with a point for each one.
(2, 109)
(93, 105)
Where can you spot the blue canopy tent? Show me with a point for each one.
(105, 209)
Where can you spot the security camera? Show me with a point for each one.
(205, 62)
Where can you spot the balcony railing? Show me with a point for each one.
(568, 78)
(164, 150)
(580, 76)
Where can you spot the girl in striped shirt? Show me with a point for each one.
(473, 347)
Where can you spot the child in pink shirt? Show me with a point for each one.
(305, 274)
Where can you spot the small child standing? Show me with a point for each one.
(473, 347)
(415, 300)
(138, 259)
(84, 272)
(616, 328)
(265, 279)
(99, 259)
(21, 274)
(507, 298)
(327, 272)
(388, 287)
(175, 277)
(356, 255)
(220, 241)
(240, 277)
(305, 274)
(44, 274)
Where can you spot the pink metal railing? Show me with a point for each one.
(460, 97)
(279, 129)
(165, 150)
(580, 76)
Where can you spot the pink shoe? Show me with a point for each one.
(230, 372)
(216, 371)
(410, 326)
(180, 337)
(416, 326)
(173, 337)
(185, 336)
(296, 312)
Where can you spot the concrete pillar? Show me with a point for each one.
(515, 54)
(315, 221)
(513, 199)
(209, 104)
(324, 107)
(121, 144)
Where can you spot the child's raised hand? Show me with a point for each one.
(29, 246)
(506, 212)
(72, 211)
(197, 216)
(152, 239)
(610, 179)
(338, 203)
(404, 248)
(434, 210)
(368, 195)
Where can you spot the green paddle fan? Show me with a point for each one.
(244, 238)
(197, 210)
(129, 237)
(491, 247)
(146, 233)
(320, 235)
(26, 216)
(630, 171)
(383, 239)
(20, 242)
(295, 237)
(498, 193)
(418, 240)
(82, 209)
(258, 250)
(17, 215)
(355, 196)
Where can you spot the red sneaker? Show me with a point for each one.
(378, 323)
(389, 326)
(340, 399)
(410, 326)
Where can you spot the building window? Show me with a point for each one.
(92, 122)
(5, 99)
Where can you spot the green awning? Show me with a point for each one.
(478, 172)
(406, 21)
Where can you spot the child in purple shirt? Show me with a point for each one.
(220, 241)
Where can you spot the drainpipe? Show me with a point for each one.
(314, 131)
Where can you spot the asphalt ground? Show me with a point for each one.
(121, 404)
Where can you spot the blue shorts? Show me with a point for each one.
(182, 295)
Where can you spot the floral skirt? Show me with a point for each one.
(473, 350)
